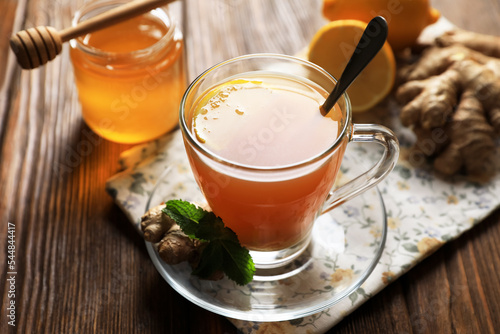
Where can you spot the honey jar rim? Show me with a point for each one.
(161, 13)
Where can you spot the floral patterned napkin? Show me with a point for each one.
(424, 211)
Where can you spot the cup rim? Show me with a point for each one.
(209, 154)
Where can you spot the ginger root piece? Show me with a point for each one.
(451, 100)
(486, 44)
(154, 224)
(173, 245)
(429, 102)
(176, 247)
(474, 151)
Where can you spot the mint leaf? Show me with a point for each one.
(238, 264)
(186, 215)
(211, 227)
(223, 250)
(211, 260)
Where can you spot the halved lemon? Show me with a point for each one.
(331, 48)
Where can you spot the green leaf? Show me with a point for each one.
(238, 264)
(210, 261)
(404, 172)
(137, 185)
(138, 176)
(405, 267)
(223, 250)
(296, 322)
(410, 247)
(353, 297)
(446, 237)
(212, 227)
(187, 209)
(185, 214)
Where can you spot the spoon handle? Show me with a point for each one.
(369, 45)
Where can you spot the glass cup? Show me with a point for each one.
(272, 208)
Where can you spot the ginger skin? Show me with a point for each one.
(154, 224)
(474, 151)
(176, 247)
(453, 90)
(486, 44)
(173, 245)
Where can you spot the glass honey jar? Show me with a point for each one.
(130, 76)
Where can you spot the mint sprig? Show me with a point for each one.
(223, 250)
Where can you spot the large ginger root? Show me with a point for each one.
(173, 245)
(451, 99)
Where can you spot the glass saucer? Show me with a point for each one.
(346, 244)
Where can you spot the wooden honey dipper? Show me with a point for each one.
(36, 46)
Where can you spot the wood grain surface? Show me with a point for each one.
(80, 266)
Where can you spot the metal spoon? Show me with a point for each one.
(369, 45)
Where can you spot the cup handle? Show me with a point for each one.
(367, 133)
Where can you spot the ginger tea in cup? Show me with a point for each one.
(263, 155)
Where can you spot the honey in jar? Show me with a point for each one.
(130, 76)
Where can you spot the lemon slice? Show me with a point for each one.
(331, 48)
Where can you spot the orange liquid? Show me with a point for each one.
(126, 97)
(266, 121)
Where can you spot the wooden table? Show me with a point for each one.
(82, 268)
